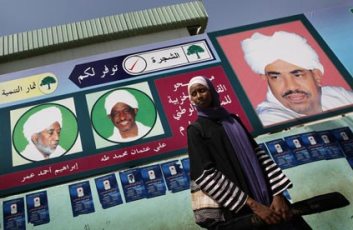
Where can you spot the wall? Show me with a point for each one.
(173, 210)
(170, 211)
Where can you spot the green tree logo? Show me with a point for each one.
(195, 49)
(48, 81)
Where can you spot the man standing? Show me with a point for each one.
(121, 108)
(42, 131)
(293, 72)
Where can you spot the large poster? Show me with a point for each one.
(117, 110)
(96, 114)
(286, 72)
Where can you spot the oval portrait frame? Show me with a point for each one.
(69, 129)
(147, 114)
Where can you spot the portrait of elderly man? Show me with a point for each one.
(122, 108)
(294, 74)
(42, 131)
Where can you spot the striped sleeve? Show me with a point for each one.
(279, 182)
(221, 189)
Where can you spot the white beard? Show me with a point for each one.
(46, 150)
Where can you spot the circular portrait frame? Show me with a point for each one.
(68, 134)
(103, 126)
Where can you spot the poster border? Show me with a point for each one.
(259, 129)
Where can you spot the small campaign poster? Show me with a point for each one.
(186, 166)
(344, 136)
(300, 152)
(331, 145)
(108, 191)
(315, 146)
(281, 154)
(133, 185)
(175, 177)
(37, 208)
(81, 198)
(14, 214)
(153, 179)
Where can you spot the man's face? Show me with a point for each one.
(296, 88)
(123, 117)
(48, 139)
(200, 95)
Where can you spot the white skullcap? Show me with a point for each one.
(261, 50)
(41, 120)
(197, 80)
(120, 96)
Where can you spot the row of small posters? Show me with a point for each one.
(152, 181)
(137, 183)
(308, 147)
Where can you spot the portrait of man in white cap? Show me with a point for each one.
(121, 108)
(294, 74)
(42, 131)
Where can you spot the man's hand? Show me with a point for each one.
(266, 214)
(280, 206)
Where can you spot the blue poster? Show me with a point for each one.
(133, 185)
(108, 191)
(281, 154)
(81, 198)
(331, 145)
(14, 214)
(315, 145)
(153, 179)
(37, 208)
(301, 153)
(186, 166)
(345, 137)
(175, 176)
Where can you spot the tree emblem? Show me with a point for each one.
(195, 49)
(48, 81)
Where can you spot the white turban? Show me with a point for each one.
(261, 50)
(41, 120)
(197, 80)
(120, 96)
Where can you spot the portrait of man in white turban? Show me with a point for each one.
(121, 108)
(42, 131)
(294, 73)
